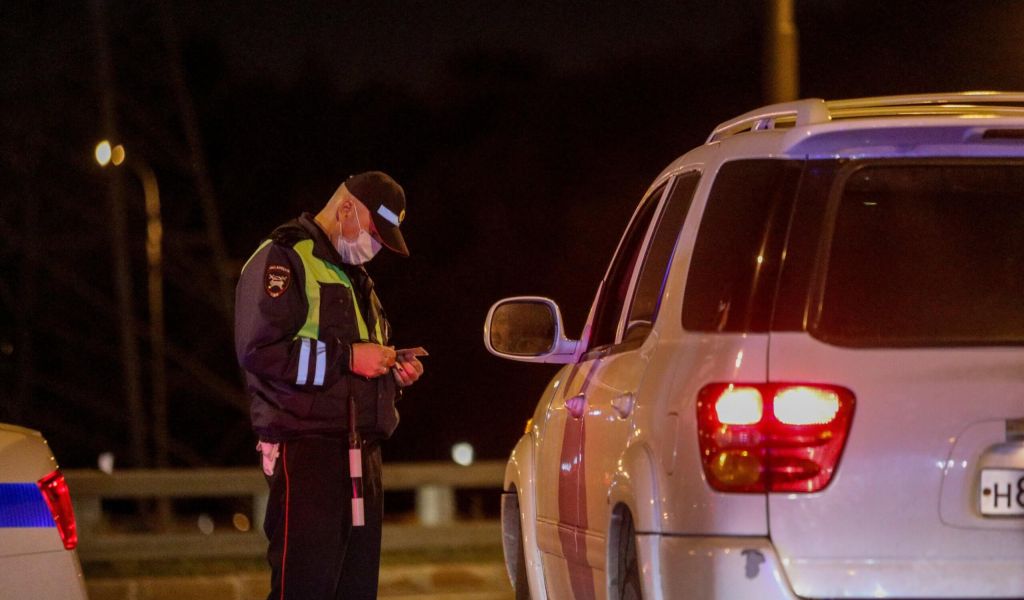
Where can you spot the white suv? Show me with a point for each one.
(803, 372)
(37, 524)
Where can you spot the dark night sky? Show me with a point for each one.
(407, 43)
(524, 133)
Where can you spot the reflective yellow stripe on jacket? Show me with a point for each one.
(322, 272)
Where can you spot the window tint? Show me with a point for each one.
(735, 261)
(926, 254)
(794, 300)
(651, 282)
(613, 294)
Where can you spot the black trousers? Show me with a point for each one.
(315, 553)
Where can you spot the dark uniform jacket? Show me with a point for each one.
(298, 310)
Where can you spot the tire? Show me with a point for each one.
(512, 544)
(628, 568)
(520, 583)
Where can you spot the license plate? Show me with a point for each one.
(1002, 492)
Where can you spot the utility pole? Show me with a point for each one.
(157, 337)
(781, 53)
(122, 276)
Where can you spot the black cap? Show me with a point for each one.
(386, 201)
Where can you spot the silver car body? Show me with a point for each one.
(615, 431)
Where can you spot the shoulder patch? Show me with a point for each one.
(276, 280)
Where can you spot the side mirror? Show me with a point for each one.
(528, 329)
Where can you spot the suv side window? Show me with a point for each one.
(651, 282)
(735, 264)
(616, 286)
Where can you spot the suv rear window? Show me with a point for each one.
(925, 254)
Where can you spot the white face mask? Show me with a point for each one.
(359, 251)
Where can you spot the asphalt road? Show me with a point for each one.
(426, 581)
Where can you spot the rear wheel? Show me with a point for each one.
(627, 570)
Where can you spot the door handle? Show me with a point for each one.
(624, 404)
(576, 405)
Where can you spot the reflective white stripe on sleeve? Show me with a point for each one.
(303, 363)
(321, 363)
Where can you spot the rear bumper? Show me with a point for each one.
(716, 567)
(55, 574)
(741, 567)
(924, 578)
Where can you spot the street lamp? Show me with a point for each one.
(116, 155)
(106, 155)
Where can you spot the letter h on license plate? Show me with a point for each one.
(1002, 492)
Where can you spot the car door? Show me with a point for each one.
(561, 470)
(557, 481)
(602, 399)
(617, 383)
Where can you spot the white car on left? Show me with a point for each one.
(37, 524)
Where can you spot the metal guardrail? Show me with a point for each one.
(435, 526)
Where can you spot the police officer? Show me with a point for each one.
(312, 337)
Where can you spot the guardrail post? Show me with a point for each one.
(435, 504)
(88, 514)
(259, 509)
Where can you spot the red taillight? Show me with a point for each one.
(58, 498)
(772, 437)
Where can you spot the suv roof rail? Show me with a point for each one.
(806, 112)
(813, 111)
(963, 99)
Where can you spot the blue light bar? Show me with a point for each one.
(22, 505)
